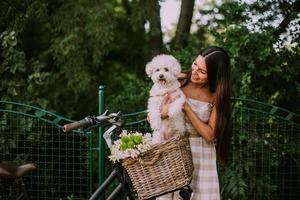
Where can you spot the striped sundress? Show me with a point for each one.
(205, 183)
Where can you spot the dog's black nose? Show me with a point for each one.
(161, 76)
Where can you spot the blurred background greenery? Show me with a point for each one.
(55, 54)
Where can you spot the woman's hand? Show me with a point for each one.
(164, 109)
(186, 106)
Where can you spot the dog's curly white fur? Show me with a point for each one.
(163, 70)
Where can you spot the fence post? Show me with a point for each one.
(101, 149)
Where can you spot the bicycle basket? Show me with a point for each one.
(166, 167)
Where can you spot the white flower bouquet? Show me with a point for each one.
(131, 145)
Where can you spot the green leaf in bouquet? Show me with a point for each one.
(125, 139)
(123, 146)
(131, 144)
(138, 139)
(131, 137)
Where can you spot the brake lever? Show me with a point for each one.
(116, 119)
(105, 120)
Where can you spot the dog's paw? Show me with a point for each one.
(155, 124)
(174, 110)
(156, 138)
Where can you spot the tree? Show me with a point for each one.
(263, 53)
(184, 24)
(289, 12)
(155, 33)
(74, 45)
(48, 44)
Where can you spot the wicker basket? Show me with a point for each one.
(164, 168)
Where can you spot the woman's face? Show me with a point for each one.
(199, 71)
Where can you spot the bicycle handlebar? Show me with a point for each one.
(91, 121)
(86, 122)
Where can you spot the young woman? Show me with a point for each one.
(208, 119)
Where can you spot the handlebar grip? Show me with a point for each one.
(76, 125)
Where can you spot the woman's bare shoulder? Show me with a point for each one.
(213, 97)
(203, 95)
(185, 90)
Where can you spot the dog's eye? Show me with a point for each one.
(157, 70)
(166, 69)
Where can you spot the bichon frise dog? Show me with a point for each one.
(163, 70)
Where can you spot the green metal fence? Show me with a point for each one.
(265, 156)
(30, 134)
(265, 152)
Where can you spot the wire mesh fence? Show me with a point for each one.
(265, 156)
(62, 159)
(265, 153)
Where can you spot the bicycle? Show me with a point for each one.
(116, 122)
(15, 174)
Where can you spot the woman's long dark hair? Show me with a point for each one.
(219, 82)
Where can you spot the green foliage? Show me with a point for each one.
(55, 54)
(234, 185)
(71, 197)
(127, 92)
(17, 76)
(264, 65)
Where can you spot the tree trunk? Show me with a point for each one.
(184, 24)
(155, 33)
(126, 7)
(290, 13)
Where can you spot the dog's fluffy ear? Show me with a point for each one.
(149, 69)
(181, 75)
(177, 66)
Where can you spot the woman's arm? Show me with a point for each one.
(164, 109)
(203, 129)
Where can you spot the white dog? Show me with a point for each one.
(163, 70)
